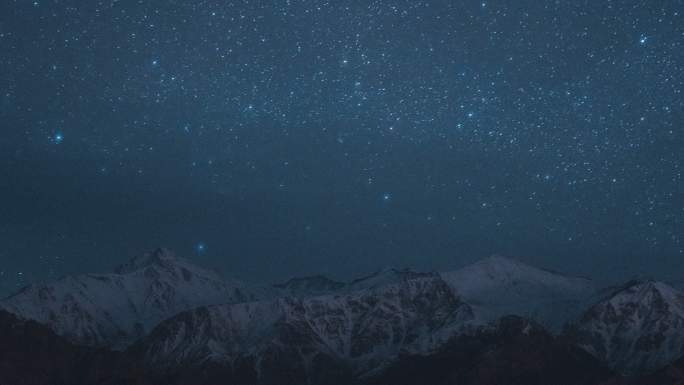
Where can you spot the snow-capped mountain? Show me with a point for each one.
(499, 286)
(493, 287)
(115, 309)
(640, 327)
(187, 325)
(353, 333)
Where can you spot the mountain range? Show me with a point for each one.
(162, 319)
(113, 310)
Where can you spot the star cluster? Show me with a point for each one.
(340, 136)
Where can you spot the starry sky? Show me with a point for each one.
(278, 138)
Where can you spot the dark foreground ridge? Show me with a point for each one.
(513, 351)
(31, 354)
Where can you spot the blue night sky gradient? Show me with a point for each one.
(280, 138)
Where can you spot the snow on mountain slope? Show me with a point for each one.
(115, 309)
(640, 327)
(494, 287)
(498, 286)
(361, 330)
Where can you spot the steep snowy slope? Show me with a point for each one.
(352, 333)
(499, 286)
(115, 309)
(639, 327)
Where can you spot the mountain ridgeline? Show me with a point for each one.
(160, 319)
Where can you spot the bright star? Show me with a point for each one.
(58, 138)
(386, 197)
(200, 248)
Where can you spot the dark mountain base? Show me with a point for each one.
(672, 374)
(31, 354)
(513, 352)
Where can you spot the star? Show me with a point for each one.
(354, 94)
(200, 248)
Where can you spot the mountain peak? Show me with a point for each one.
(498, 269)
(647, 291)
(115, 309)
(500, 285)
(509, 266)
(639, 327)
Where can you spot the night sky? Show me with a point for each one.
(279, 138)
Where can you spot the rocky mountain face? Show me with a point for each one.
(511, 351)
(639, 327)
(113, 310)
(293, 340)
(493, 287)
